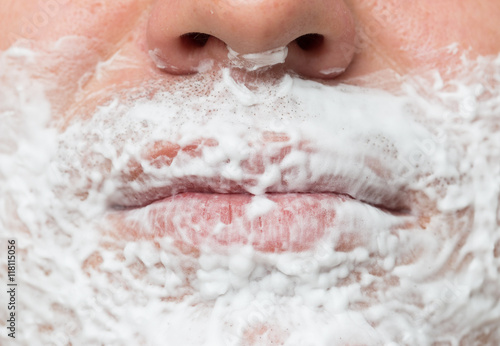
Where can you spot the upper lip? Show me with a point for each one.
(165, 168)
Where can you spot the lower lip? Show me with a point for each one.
(274, 223)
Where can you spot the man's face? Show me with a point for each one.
(240, 173)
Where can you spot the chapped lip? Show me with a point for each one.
(165, 170)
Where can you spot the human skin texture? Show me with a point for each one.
(405, 37)
(212, 174)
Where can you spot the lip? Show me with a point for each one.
(159, 196)
(166, 169)
(270, 223)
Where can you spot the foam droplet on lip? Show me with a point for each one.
(259, 206)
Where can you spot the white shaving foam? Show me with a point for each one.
(258, 61)
(407, 286)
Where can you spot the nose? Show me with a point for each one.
(189, 36)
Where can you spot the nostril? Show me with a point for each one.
(310, 42)
(195, 39)
(306, 42)
(309, 38)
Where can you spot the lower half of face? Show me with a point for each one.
(232, 208)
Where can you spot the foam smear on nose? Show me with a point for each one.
(258, 61)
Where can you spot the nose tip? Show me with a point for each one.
(190, 36)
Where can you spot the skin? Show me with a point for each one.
(401, 38)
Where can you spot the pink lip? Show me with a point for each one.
(217, 211)
(294, 222)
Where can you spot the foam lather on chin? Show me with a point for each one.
(433, 280)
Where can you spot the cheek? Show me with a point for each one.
(83, 46)
(415, 35)
(72, 37)
(49, 20)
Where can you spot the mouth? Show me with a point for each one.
(276, 197)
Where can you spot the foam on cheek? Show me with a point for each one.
(385, 283)
(24, 114)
